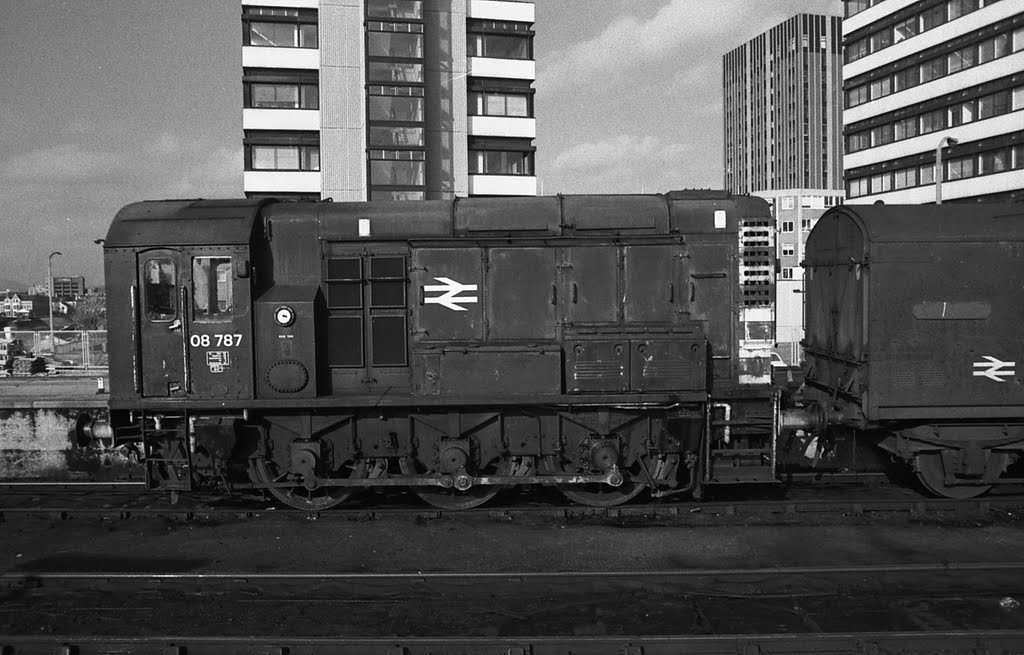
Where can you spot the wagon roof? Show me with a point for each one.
(949, 222)
(184, 223)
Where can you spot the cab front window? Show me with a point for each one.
(211, 287)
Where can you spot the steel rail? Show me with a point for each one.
(660, 575)
(860, 643)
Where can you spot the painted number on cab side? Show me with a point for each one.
(218, 340)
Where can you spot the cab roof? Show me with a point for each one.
(948, 222)
(184, 223)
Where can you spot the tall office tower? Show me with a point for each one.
(388, 99)
(783, 142)
(934, 81)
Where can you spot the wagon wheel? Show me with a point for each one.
(263, 471)
(932, 475)
(597, 494)
(453, 499)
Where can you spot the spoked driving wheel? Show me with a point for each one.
(312, 496)
(932, 474)
(453, 499)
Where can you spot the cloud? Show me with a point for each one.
(617, 152)
(688, 30)
(165, 165)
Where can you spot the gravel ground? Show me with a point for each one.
(292, 544)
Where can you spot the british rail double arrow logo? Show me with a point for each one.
(994, 369)
(450, 291)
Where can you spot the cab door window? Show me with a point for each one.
(161, 279)
(212, 278)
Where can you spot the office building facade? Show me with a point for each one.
(388, 99)
(783, 142)
(934, 79)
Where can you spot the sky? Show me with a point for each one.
(106, 102)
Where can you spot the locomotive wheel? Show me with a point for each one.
(312, 500)
(932, 475)
(598, 495)
(453, 499)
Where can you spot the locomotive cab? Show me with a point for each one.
(179, 300)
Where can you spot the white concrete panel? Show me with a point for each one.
(291, 4)
(516, 69)
(282, 181)
(933, 37)
(522, 12)
(263, 57)
(879, 11)
(525, 128)
(502, 185)
(975, 186)
(927, 142)
(280, 119)
(988, 71)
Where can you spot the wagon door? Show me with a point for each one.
(218, 325)
(156, 303)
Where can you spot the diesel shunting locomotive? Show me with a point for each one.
(605, 345)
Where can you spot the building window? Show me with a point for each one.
(960, 168)
(393, 172)
(395, 71)
(961, 113)
(905, 129)
(284, 158)
(994, 162)
(933, 121)
(499, 46)
(394, 108)
(500, 162)
(389, 137)
(881, 183)
(393, 44)
(379, 194)
(905, 178)
(283, 96)
(787, 226)
(282, 35)
(410, 9)
(499, 104)
(926, 174)
(788, 202)
(787, 273)
(788, 250)
(858, 95)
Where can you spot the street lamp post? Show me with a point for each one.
(49, 278)
(938, 165)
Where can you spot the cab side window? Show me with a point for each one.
(161, 279)
(211, 287)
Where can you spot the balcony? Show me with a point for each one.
(503, 126)
(282, 181)
(512, 10)
(502, 185)
(263, 57)
(515, 69)
(280, 119)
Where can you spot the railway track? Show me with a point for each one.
(807, 504)
(922, 608)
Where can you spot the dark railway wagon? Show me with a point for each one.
(599, 343)
(913, 331)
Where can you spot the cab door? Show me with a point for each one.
(156, 302)
(218, 323)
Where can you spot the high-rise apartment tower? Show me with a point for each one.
(388, 99)
(783, 142)
(927, 79)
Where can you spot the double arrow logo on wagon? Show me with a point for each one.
(450, 291)
(994, 369)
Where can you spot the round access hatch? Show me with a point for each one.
(287, 376)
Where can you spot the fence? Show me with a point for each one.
(79, 349)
